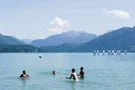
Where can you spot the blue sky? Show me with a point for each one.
(35, 19)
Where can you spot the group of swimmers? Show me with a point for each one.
(72, 76)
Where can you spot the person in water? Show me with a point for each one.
(73, 75)
(81, 74)
(24, 75)
(54, 72)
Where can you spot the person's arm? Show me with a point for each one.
(24, 75)
(83, 73)
(21, 75)
(28, 75)
(78, 74)
(69, 77)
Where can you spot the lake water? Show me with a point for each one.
(115, 72)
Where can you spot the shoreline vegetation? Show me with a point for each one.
(33, 49)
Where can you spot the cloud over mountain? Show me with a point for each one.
(59, 25)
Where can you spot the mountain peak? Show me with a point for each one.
(76, 37)
(74, 32)
(124, 28)
(134, 27)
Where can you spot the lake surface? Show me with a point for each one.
(115, 72)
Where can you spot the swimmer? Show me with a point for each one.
(81, 74)
(24, 75)
(54, 72)
(73, 75)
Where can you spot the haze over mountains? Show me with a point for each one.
(71, 37)
(121, 39)
(27, 41)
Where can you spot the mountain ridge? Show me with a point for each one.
(4, 39)
(76, 37)
(120, 39)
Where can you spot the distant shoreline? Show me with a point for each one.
(68, 52)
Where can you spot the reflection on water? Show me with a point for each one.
(73, 85)
(23, 83)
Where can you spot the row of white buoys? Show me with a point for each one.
(109, 52)
(118, 52)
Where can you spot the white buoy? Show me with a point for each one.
(109, 52)
(112, 52)
(125, 52)
(98, 52)
(94, 53)
(103, 52)
(117, 52)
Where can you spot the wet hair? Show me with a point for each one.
(73, 70)
(54, 72)
(24, 72)
(81, 68)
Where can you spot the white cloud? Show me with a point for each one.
(59, 25)
(118, 13)
(55, 30)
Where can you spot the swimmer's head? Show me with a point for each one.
(81, 68)
(24, 72)
(54, 72)
(73, 70)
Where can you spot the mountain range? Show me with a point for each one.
(10, 40)
(120, 39)
(71, 37)
(13, 44)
